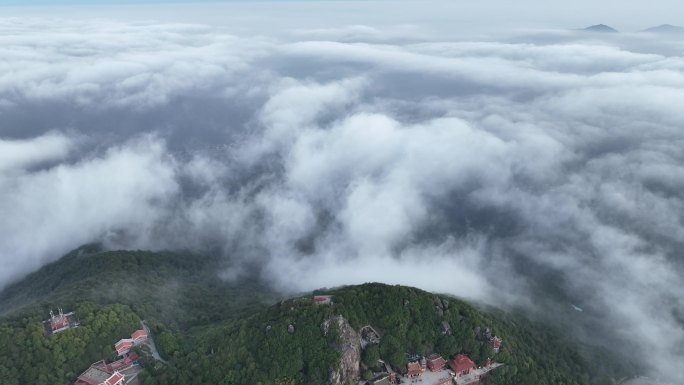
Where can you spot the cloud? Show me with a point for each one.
(47, 211)
(20, 154)
(531, 170)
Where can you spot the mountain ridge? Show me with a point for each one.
(600, 28)
(284, 343)
(665, 29)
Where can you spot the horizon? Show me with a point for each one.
(482, 16)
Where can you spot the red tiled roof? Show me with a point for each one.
(94, 375)
(322, 298)
(124, 363)
(115, 378)
(86, 381)
(495, 342)
(142, 333)
(436, 362)
(461, 364)
(414, 368)
(123, 345)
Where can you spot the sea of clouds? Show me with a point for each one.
(537, 168)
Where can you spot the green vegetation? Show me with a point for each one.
(410, 321)
(180, 289)
(213, 332)
(259, 350)
(27, 356)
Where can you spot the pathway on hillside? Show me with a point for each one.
(150, 343)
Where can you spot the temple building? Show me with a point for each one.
(435, 362)
(100, 373)
(413, 369)
(323, 299)
(59, 322)
(461, 365)
(139, 336)
(126, 344)
(123, 346)
(115, 379)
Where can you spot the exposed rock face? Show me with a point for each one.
(439, 306)
(445, 303)
(350, 348)
(325, 327)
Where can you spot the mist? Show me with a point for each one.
(538, 167)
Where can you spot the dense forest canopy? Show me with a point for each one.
(214, 332)
(181, 289)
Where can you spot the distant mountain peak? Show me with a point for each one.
(665, 28)
(600, 28)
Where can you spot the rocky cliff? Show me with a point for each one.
(347, 373)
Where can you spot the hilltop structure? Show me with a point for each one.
(60, 322)
(467, 373)
(369, 336)
(123, 371)
(413, 369)
(461, 365)
(435, 362)
(101, 373)
(323, 299)
(124, 345)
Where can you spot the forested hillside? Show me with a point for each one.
(27, 356)
(213, 332)
(180, 289)
(259, 350)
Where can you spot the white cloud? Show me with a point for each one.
(46, 212)
(19, 154)
(517, 163)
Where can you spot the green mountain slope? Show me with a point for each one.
(214, 332)
(259, 350)
(168, 286)
(27, 356)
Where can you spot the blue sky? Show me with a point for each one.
(449, 17)
(624, 15)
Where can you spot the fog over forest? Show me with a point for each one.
(539, 166)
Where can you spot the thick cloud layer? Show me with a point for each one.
(539, 169)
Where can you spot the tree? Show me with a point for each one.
(367, 375)
(398, 359)
(167, 343)
(370, 356)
